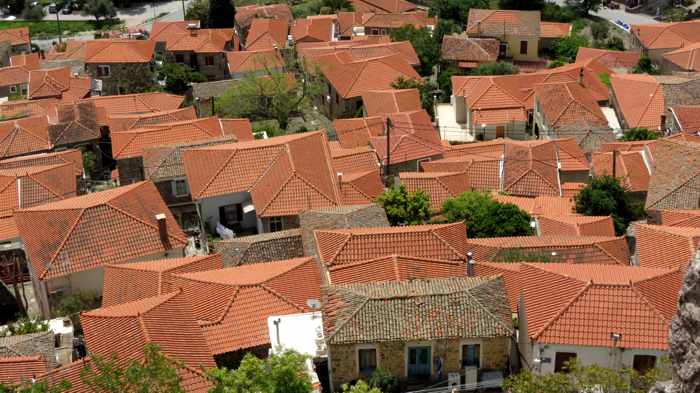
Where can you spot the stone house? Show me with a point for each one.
(466, 52)
(264, 247)
(82, 234)
(14, 82)
(560, 105)
(674, 181)
(203, 50)
(655, 40)
(517, 31)
(120, 66)
(259, 63)
(19, 39)
(382, 325)
(33, 344)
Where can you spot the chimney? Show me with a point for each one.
(580, 76)
(662, 124)
(163, 231)
(340, 177)
(193, 28)
(470, 264)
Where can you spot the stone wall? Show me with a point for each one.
(409, 166)
(260, 248)
(338, 218)
(124, 78)
(30, 345)
(130, 170)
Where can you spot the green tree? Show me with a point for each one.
(281, 373)
(425, 89)
(360, 387)
(455, 10)
(585, 7)
(645, 66)
(553, 12)
(155, 373)
(614, 43)
(566, 48)
(100, 9)
(89, 163)
(36, 387)
(222, 14)
(604, 196)
(33, 12)
(178, 77)
(198, 10)
(527, 5)
(497, 68)
(639, 134)
(338, 5)
(600, 30)
(486, 217)
(403, 207)
(427, 48)
(529, 382)
(73, 304)
(384, 380)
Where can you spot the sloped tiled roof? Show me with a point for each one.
(640, 99)
(24, 187)
(357, 132)
(583, 304)
(11, 76)
(23, 136)
(570, 249)
(165, 161)
(630, 167)
(511, 277)
(164, 320)
(313, 29)
(382, 102)
(395, 268)
(675, 179)
(72, 156)
(201, 41)
(359, 188)
(30, 61)
(351, 78)
(16, 369)
(387, 6)
(666, 247)
(245, 14)
(563, 104)
(131, 143)
(283, 174)
(123, 104)
(129, 282)
(250, 61)
(16, 36)
(168, 31)
(609, 58)
(339, 247)
(554, 30)
(680, 218)
(540, 205)
(359, 49)
(575, 225)
(74, 50)
(419, 19)
(416, 310)
(123, 122)
(667, 35)
(59, 83)
(233, 304)
(463, 48)
(85, 232)
(497, 23)
(266, 34)
(688, 117)
(530, 168)
(570, 155)
(413, 137)
(359, 159)
(119, 51)
(439, 185)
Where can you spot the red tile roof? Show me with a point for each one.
(74, 50)
(11, 76)
(241, 129)
(582, 304)
(389, 6)
(640, 99)
(680, 218)
(571, 225)
(565, 104)
(419, 19)
(85, 232)
(688, 118)
(16, 369)
(23, 136)
(540, 205)
(283, 174)
(164, 320)
(59, 83)
(359, 49)
(170, 31)
(124, 122)
(571, 157)
(359, 159)
(609, 58)
(357, 132)
(554, 30)
(667, 35)
(108, 106)
(439, 185)
(359, 188)
(395, 268)
(249, 61)
(413, 137)
(201, 41)
(463, 48)
(499, 22)
(119, 51)
(673, 183)
(17, 36)
(131, 143)
(624, 146)
(351, 78)
(666, 247)
(570, 249)
(266, 34)
(233, 304)
(28, 186)
(382, 102)
(72, 156)
(30, 61)
(630, 166)
(245, 14)
(511, 277)
(340, 247)
(314, 29)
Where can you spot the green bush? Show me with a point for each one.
(497, 68)
(384, 380)
(78, 301)
(605, 196)
(567, 48)
(600, 30)
(639, 134)
(553, 12)
(486, 217)
(403, 207)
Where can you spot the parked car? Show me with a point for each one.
(52, 8)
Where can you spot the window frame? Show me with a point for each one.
(464, 343)
(563, 370)
(101, 68)
(13, 89)
(524, 45)
(208, 60)
(174, 187)
(364, 347)
(270, 223)
(419, 344)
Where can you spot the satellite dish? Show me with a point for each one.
(313, 303)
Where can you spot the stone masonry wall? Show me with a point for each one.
(124, 78)
(30, 345)
(260, 248)
(130, 170)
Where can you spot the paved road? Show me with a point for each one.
(135, 15)
(621, 14)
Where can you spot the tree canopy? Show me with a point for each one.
(566, 48)
(455, 10)
(403, 207)
(424, 88)
(178, 77)
(604, 196)
(100, 9)
(198, 10)
(584, 7)
(426, 46)
(222, 14)
(281, 373)
(486, 217)
(639, 134)
(497, 68)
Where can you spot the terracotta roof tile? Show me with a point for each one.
(359, 159)
(123, 122)
(233, 304)
(395, 268)
(416, 310)
(463, 48)
(359, 188)
(540, 205)
(266, 34)
(129, 282)
(609, 58)
(23, 136)
(11, 76)
(554, 30)
(571, 157)
(241, 129)
(414, 137)
(640, 99)
(688, 118)
(388, 6)
(356, 132)
(382, 102)
(165, 162)
(17, 36)
(119, 51)
(571, 225)
(59, 83)
(564, 104)
(630, 167)
(339, 247)
(680, 218)
(246, 14)
(395, 20)
(108, 106)
(511, 277)
(593, 300)
(498, 22)
(314, 29)
(169, 31)
(624, 146)
(439, 185)
(667, 35)
(359, 49)
(283, 174)
(72, 156)
(74, 50)
(93, 230)
(249, 61)
(18, 369)
(30, 61)
(675, 180)
(666, 247)
(201, 41)
(25, 187)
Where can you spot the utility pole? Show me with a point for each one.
(388, 151)
(614, 166)
(58, 21)
(183, 10)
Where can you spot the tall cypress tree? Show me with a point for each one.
(222, 13)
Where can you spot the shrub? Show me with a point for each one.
(486, 217)
(498, 68)
(600, 30)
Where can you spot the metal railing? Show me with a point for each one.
(467, 387)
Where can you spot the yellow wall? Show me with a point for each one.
(514, 48)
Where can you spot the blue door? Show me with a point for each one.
(419, 362)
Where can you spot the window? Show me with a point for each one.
(523, 47)
(180, 188)
(103, 70)
(230, 215)
(471, 355)
(367, 361)
(562, 360)
(13, 89)
(276, 224)
(209, 60)
(421, 160)
(643, 363)
(179, 58)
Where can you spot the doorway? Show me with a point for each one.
(419, 362)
